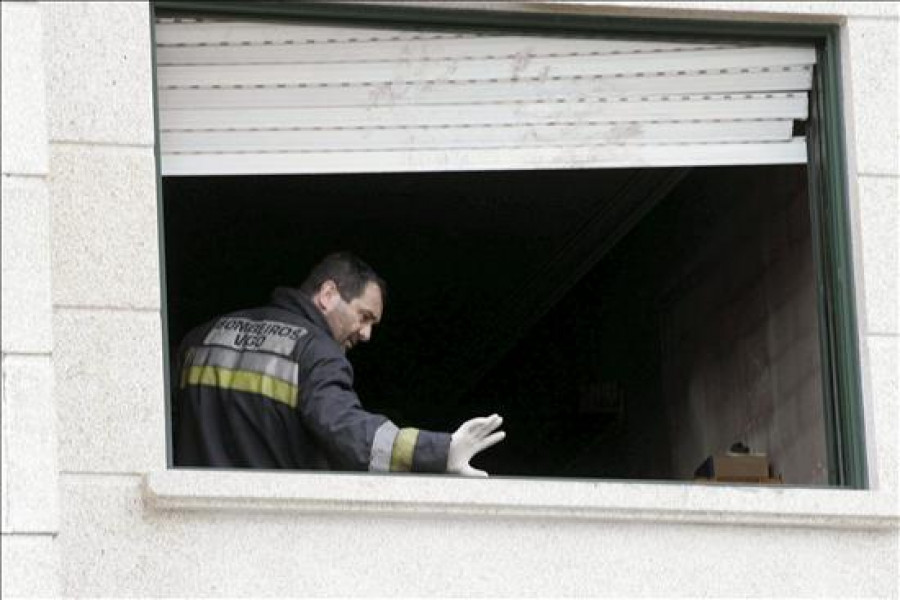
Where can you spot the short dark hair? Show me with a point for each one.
(348, 272)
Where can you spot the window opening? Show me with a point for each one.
(633, 320)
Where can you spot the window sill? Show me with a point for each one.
(245, 491)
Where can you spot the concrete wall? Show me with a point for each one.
(30, 482)
(82, 341)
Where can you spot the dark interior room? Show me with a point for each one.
(626, 323)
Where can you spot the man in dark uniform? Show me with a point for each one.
(271, 387)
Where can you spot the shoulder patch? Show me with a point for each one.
(258, 336)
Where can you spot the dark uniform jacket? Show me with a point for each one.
(270, 388)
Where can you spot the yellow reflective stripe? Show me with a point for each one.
(404, 449)
(244, 381)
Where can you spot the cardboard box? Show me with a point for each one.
(734, 467)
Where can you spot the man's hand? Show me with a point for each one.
(472, 437)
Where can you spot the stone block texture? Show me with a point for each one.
(31, 566)
(884, 420)
(879, 208)
(114, 543)
(29, 487)
(873, 100)
(105, 378)
(109, 390)
(30, 502)
(24, 127)
(98, 64)
(104, 227)
(26, 265)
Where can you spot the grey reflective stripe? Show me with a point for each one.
(382, 447)
(264, 336)
(266, 364)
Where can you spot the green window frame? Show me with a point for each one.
(827, 167)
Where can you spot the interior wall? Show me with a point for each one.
(740, 346)
(699, 329)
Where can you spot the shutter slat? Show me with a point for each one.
(476, 137)
(416, 50)
(538, 69)
(798, 78)
(612, 156)
(237, 32)
(757, 106)
(185, 33)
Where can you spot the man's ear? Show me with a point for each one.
(328, 297)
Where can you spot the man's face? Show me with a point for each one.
(351, 322)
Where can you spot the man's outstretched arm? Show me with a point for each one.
(356, 439)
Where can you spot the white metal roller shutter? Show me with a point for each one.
(258, 98)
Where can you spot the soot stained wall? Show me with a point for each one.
(740, 351)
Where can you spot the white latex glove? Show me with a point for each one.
(472, 437)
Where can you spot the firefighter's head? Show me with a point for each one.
(350, 295)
